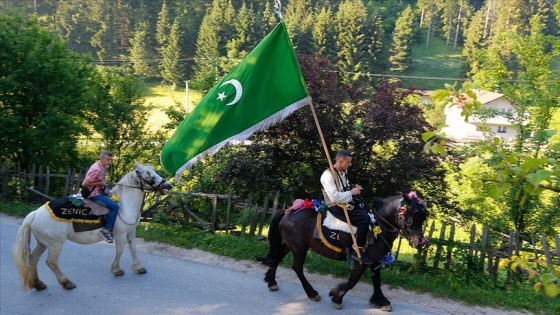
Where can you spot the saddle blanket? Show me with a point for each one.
(334, 223)
(328, 231)
(64, 210)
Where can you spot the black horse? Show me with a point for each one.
(294, 232)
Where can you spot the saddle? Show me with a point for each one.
(86, 215)
(329, 228)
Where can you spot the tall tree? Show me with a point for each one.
(245, 37)
(190, 17)
(376, 60)
(299, 21)
(401, 45)
(113, 29)
(211, 43)
(74, 21)
(163, 25)
(43, 95)
(350, 39)
(172, 69)
(323, 33)
(475, 43)
(268, 20)
(141, 53)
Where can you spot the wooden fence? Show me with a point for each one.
(481, 247)
(39, 183)
(483, 253)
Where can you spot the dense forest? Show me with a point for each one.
(73, 72)
(202, 40)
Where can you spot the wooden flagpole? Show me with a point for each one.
(343, 206)
(278, 11)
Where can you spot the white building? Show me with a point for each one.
(498, 124)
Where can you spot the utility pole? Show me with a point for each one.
(187, 97)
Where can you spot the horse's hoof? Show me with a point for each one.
(119, 273)
(315, 298)
(68, 285)
(386, 308)
(40, 286)
(273, 288)
(338, 306)
(141, 271)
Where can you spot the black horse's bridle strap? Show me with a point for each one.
(394, 228)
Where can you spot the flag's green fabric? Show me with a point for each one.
(262, 90)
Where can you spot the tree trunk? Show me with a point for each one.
(430, 24)
(458, 25)
(487, 19)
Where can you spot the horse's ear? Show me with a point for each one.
(138, 165)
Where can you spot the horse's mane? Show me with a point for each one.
(378, 201)
(382, 205)
(125, 178)
(125, 181)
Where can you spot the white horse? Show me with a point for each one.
(51, 234)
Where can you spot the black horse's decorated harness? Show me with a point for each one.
(405, 217)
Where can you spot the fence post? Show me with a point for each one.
(450, 246)
(483, 244)
(509, 254)
(263, 213)
(228, 211)
(425, 250)
(67, 183)
(398, 248)
(247, 206)
(534, 244)
(546, 251)
(214, 211)
(557, 239)
(38, 180)
(437, 257)
(47, 181)
(5, 179)
(472, 238)
(275, 202)
(23, 183)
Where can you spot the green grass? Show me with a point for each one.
(17, 208)
(438, 60)
(161, 97)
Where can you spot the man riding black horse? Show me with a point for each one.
(343, 193)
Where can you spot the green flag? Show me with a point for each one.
(262, 90)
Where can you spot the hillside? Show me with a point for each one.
(434, 65)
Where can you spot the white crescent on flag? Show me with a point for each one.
(238, 90)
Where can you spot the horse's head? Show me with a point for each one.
(150, 181)
(411, 217)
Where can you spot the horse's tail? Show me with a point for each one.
(21, 251)
(275, 242)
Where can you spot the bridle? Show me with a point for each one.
(151, 183)
(142, 183)
(405, 218)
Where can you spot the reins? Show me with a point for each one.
(393, 229)
(154, 189)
